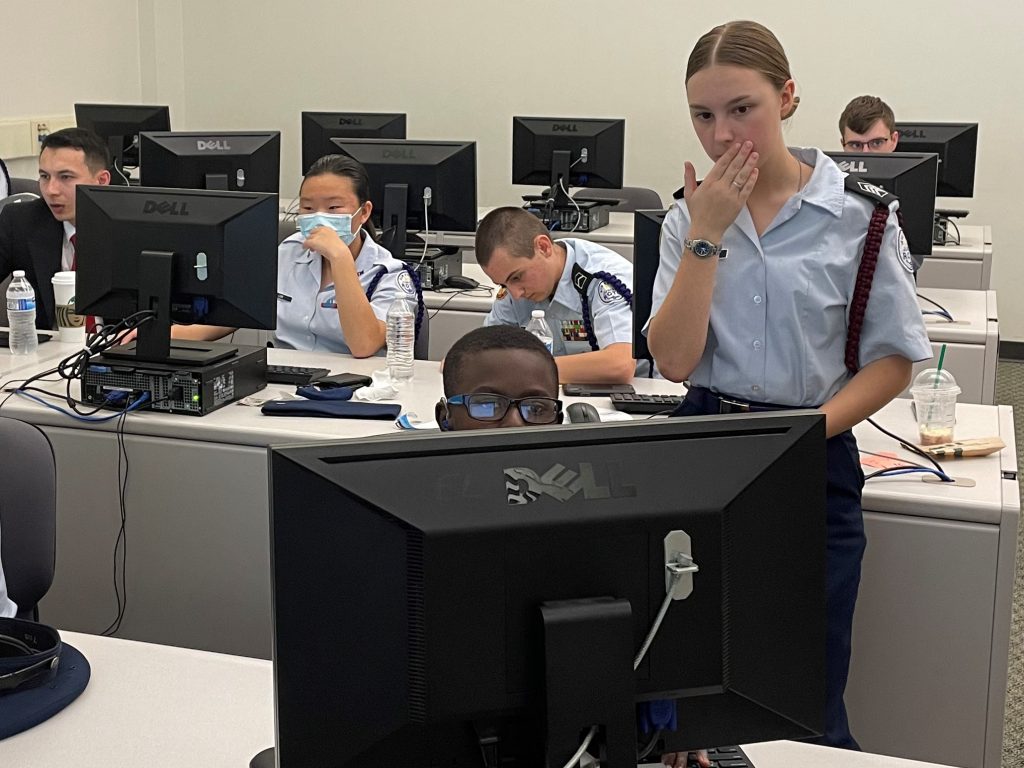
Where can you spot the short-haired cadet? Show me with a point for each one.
(582, 287)
(498, 376)
(39, 236)
(868, 125)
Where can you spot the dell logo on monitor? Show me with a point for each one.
(398, 154)
(914, 133)
(565, 127)
(524, 485)
(852, 166)
(171, 209)
(212, 144)
(350, 121)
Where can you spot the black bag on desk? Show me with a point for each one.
(39, 674)
(335, 409)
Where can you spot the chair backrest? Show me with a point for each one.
(630, 198)
(16, 198)
(28, 513)
(285, 229)
(19, 185)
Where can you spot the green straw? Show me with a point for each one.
(938, 369)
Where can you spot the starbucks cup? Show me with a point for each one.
(934, 393)
(70, 325)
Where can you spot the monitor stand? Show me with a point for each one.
(179, 353)
(940, 231)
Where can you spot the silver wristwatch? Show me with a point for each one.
(702, 249)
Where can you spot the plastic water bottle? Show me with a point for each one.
(401, 336)
(539, 327)
(21, 315)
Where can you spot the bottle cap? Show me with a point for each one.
(18, 273)
(537, 313)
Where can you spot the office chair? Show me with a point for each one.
(28, 514)
(17, 197)
(630, 198)
(20, 185)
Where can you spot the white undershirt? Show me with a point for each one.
(67, 252)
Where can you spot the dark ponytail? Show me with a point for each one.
(348, 168)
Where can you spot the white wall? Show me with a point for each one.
(461, 69)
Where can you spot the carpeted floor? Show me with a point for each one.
(1010, 391)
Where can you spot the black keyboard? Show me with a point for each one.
(5, 338)
(645, 404)
(298, 375)
(728, 757)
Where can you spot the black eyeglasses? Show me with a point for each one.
(873, 144)
(488, 407)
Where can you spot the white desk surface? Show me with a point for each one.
(984, 503)
(238, 424)
(477, 300)
(12, 364)
(975, 244)
(974, 312)
(619, 229)
(245, 425)
(155, 706)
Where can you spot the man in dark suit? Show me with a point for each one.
(39, 236)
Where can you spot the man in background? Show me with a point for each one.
(868, 125)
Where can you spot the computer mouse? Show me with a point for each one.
(583, 413)
(461, 281)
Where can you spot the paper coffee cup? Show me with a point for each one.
(70, 325)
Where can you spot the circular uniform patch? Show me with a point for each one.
(405, 282)
(608, 293)
(904, 251)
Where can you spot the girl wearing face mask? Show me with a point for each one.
(327, 269)
(762, 298)
(334, 282)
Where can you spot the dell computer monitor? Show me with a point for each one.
(646, 258)
(188, 256)
(436, 597)
(318, 128)
(417, 186)
(120, 125)
(910, 176)
(956, 144)
(566, 152)
(240, 161)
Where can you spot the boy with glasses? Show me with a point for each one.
(868, 125)
(498, 376)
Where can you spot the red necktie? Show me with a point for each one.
(90, 320)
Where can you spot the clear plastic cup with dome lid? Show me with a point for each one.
(934, 393)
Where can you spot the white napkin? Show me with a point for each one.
(381, 388)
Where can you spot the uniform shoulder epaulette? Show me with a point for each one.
(678, 194)
(871, 191)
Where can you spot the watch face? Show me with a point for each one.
(702, 248)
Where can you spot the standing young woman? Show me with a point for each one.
(335, 283)
(755, 301)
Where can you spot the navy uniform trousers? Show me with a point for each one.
(846, 544)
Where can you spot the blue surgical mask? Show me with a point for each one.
(339, 222)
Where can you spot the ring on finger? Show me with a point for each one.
(737, 183)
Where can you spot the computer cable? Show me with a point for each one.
(676, 571)
(427, 194)
(482, 291)
(913, 449)
(579, 213)
(943, 312)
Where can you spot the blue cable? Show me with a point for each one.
(912, 470)
(131, 407)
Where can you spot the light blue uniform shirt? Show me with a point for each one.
(781, 301)
(307, 318)
(611, 314)
(8, 608)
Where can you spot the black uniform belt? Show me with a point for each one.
(712, 402)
